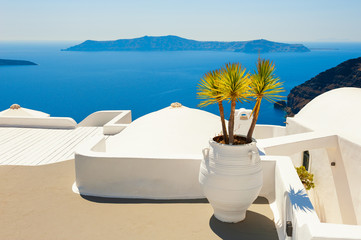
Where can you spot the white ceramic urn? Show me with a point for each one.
(231, 178)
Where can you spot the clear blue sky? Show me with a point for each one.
(223, 20)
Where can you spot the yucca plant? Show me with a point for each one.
(230, 83)
(209, 90)
(264, 84)
(234, 84)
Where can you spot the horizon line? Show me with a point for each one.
(82, 40)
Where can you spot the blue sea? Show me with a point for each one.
(76, 84)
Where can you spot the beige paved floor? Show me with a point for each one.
(36, 202)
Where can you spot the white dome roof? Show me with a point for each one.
(167, 132)
(337, 111)
(22, 112)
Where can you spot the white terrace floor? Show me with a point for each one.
(35, 146)
(37, 203)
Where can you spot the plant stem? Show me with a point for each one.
(254, 120)
(231, 122)
(224, 129)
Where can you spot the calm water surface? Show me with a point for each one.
(76, 84)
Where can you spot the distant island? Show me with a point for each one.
(175, 43)
(346, 74)
(7, 62)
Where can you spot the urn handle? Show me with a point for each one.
(253, 157)
(205, 152)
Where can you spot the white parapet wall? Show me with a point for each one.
(268, 131)
(351, 155)
(103, 174)
(38, 122)
(112, 122)
(291, 202)
(243, 120)
(99, 173)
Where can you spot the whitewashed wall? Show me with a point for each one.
(351, 155)
(330, 205)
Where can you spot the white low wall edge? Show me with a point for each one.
(41, 122)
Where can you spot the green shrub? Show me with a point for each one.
(305, 177)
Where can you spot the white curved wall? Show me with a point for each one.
(104, 174)
(100, 173)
